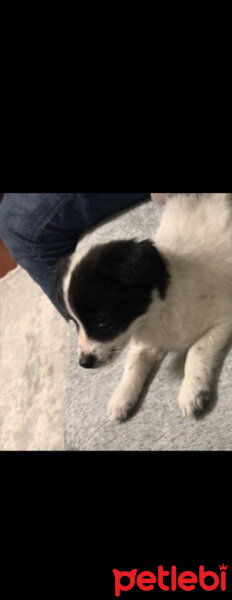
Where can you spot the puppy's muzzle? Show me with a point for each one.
(88, 361)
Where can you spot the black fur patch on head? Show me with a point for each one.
(113, 284)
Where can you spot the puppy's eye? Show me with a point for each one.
(102, 321)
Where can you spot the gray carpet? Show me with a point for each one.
(157, 424)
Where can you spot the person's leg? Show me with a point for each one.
(40, 229)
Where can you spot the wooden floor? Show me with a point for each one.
(7, 263)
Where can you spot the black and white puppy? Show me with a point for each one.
(173, 292)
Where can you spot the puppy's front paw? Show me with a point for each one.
(120, 404)
(193, 400)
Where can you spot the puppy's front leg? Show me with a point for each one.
(139, 363)
(201, 361)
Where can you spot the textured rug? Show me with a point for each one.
(34, 343)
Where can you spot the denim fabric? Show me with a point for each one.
(39, 229)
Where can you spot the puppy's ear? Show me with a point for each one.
(58, 278)
(143, 267)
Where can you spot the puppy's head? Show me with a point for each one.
(106, 291)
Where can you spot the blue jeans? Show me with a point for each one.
(39, 229)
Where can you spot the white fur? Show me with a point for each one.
(195, 238)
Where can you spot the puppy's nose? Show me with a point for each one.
(87, 361)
